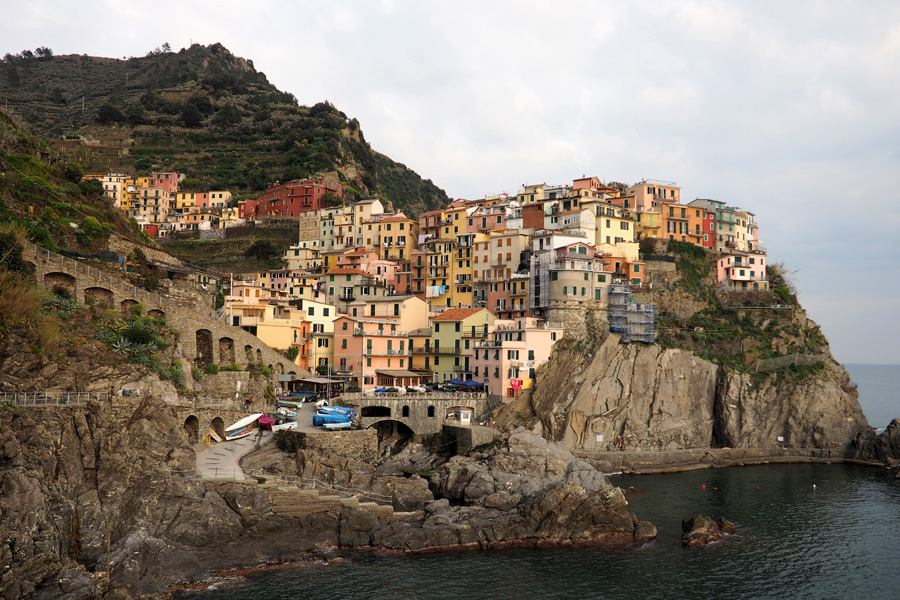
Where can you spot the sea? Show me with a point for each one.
(809, 531)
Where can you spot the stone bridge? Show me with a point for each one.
(204, 338)
(423, 414)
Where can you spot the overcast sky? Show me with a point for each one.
(788, 109)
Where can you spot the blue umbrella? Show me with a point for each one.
(473, 383)
(455, 381)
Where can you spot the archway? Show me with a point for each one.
(226, 351)
(61, 284)
(192, 429)
(279, 369)
(375, 411)
(156, 314)
(204, 348)
(248, 352)
(392, 436)
(128, 305)
(98, 296)
(218, 425)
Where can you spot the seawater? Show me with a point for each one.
(879, 392)
(804, 531)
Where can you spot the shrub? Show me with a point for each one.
(197, 374)
(211, 369)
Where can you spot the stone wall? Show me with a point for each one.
(574, 314)
(361, 445)
(471, 437)
(124, 248)
(185, 309)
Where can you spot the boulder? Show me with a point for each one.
(700, 530)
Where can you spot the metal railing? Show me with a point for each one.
(38, 399)
(356, 396)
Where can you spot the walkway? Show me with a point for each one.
(221, 460)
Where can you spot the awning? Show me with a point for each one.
(398, 373)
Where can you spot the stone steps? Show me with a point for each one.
(292, 501)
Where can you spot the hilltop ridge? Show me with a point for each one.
(153, 112)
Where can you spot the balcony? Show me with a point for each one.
(446, 351)
(475, 333)
(425, 350)
(347, 297)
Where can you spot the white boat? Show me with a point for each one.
(238, 434)
(284, 426)
(243, 422)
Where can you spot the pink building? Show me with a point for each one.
(742, 271)
(363, 346)
(507, 361)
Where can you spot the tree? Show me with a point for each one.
(108, 114)
(44, 52)
(190, 115)
(262, 250)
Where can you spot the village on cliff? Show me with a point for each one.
(477, 292)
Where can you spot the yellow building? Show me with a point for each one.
(453, 337)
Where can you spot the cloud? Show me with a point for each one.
(787, 109)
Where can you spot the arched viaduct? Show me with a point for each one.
(205, 339)
(423, 413)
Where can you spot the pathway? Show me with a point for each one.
(220, 461)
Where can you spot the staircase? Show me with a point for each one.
(295, 502)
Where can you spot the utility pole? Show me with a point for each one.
(231, 305)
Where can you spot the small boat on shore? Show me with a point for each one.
(285, 426)
(242, 428)
(341, 425)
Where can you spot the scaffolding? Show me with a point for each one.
(634, 321)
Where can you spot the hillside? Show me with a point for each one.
(203, 112)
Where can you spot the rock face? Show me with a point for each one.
(74, 479)
(648, 397)
(666, 399)
(700, 530)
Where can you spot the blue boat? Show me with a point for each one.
(319, 420)
(344, 425)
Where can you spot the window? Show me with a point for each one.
(344, 343)
(312, 311)
(637, 268)
(431, 411)
(554, 276)
(585, 276)
(531, 355)
(456, 327)
(368, 362)
(396, 310)
(437, 327)
(596, 294)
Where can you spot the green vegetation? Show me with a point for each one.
(139, 340)
(205, 113)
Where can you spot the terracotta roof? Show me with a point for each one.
(431, 212)
(458, 314)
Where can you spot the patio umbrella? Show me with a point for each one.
(473, 383)
(455, 381)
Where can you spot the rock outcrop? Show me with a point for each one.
(700, 530)
(84, 490)
(644, 397)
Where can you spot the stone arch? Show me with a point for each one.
(100, 296)
(128, 305)
(398, 432)
(248, 352)
(218, 425)
(155, 313)
(259, 356)
(431, 411)
(226, 351)
(375, 411)
(31, 266)
(292, 372)
(279, 369)
(405, 410)
(61, 284)
(204, 348)
(192, 428)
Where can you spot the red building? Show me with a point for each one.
(294, 197)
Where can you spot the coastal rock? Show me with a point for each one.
(700, 530)
(641, 397)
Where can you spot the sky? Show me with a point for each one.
(788, 109)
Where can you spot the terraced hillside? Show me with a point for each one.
(203, 112)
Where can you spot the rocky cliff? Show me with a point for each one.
(86, 490)
(729, 369)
